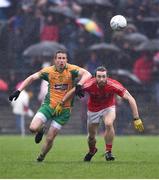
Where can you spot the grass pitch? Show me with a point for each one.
(136, 157)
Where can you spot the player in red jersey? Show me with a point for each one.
(101, 105)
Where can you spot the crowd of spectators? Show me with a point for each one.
(28, 22)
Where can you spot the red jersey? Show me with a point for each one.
(101, 98)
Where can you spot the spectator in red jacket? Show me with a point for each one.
(50, 31)
(143, 69)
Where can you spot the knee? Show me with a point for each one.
(33, 129)
(109, 125)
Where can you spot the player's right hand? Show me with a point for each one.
(14, 95)
(78, 91)
(139, 125)
(58, 109)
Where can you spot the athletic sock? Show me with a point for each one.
(92, 150)
(108, 147)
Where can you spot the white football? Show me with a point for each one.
(118, 22)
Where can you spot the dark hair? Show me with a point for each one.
(60, 51)
(100, 68)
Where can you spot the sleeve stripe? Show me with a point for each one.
(89, 83)
(117, 86)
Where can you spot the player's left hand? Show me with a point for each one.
(78, 91)
(58, 109)
(139, 125)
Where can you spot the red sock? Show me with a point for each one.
(92, 149)
(108, 147)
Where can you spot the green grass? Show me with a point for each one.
(136, 157)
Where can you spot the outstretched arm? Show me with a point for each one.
(29, 80)
(25, 83)
(132, 104)
(137, 121)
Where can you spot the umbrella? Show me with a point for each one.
(105, 3)
(3, 85)
(104, 47)
(90, 26)
(150, 45)
(58, 2)
(135, 38)
(45, 48)
(4, 3)
(63, 10)
(127, 74)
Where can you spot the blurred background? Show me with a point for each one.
(32, 30)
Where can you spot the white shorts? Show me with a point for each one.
(95, 117)
(44, 119)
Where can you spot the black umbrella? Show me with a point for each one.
(150, 45)
(108, 53)
(105, 3)
(45, 48)
(104, 47)
(128, 79)
(63, 10)
(135, 38)
(125, 75)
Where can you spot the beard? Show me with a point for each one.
(101, 84)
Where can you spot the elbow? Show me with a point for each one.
(89, 74)
(31, 79)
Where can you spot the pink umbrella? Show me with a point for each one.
(90, 26)
(3, 85)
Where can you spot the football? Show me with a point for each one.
(118, 22)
